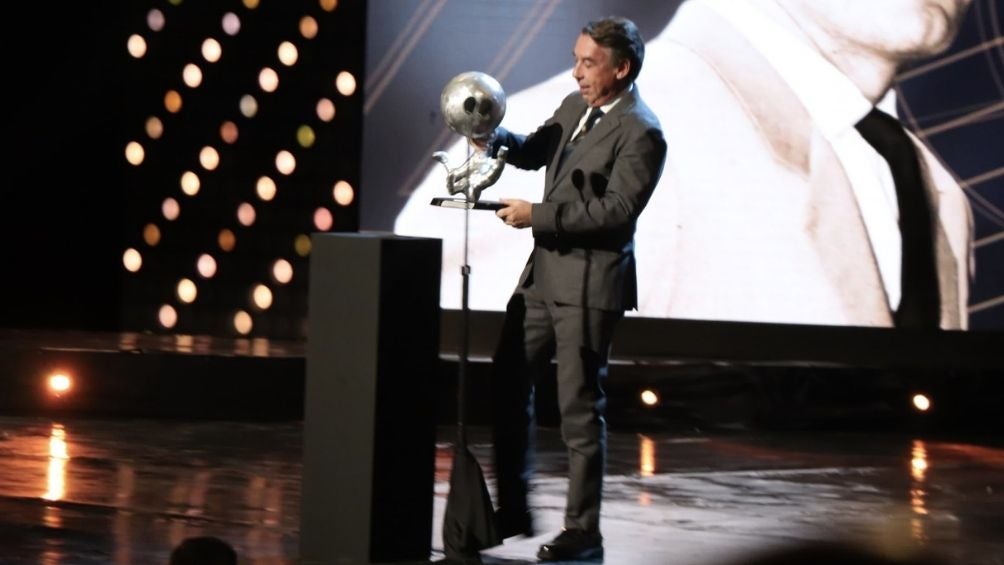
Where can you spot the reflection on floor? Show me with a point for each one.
(88, 492)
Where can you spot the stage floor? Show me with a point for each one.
(91, 491)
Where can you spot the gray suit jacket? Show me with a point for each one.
(584, 228)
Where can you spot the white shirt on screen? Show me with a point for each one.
(836, 105)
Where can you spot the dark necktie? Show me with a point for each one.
(594, 115)
(920, 305)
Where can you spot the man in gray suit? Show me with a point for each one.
(604, 152)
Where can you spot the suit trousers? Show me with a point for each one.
(579, 339)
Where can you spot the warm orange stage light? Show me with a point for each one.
(59, 383)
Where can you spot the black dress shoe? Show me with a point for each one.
(514, 523)
(573, 545)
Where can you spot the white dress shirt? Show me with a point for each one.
(836, 105)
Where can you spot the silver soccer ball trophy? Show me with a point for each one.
(473, 105)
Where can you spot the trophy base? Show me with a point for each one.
(462, 203)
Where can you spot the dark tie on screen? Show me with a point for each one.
(920, 305)
(594, 115)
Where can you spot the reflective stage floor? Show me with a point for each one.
(90, 491)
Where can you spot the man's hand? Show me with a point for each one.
(516, 213)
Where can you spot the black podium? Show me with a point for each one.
(369, 422)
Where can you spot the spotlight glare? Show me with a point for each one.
(243, 322)
(59, 383)
(187, 291)
(245, 214)
(134, 153)
(343, 193)
(249, 106)
(288, 54)
(228, 132)
(206, 266)
(231, 23)
(649, 397)
(190, 183)
(155, 19)
(132, 260)
(171, 209)
(302, 245)
(921, 402)
(345, 83)
(226, 240)
(266, 188)
(154, 127)
(285, 162)
(282, 271)
(209, 158)
(329, 5)
(268, 80)
(250, 4)
(262, 297)
(167, 316)
(325, 110)
(211, 50)
(322, 219)
(172, 101)
(308, 27)
(305, 136)
(192, 75)
(136, 46)
(151, 234)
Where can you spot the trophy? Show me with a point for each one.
(473, 104)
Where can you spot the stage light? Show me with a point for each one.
(325, 110)
(282, 271)
(649, 397)
(191, 75)
(302, 245)
(134, 153)
(322, 219)
(151, 234)
(167, 316)
(308, 27)
(206, 266)
(187, 291)
(154, 127)
(329, 5)
(345, 83)
(228, 132)
(250, 4)
(305, 136)
(172, 101)
(171, 209)
(226, 240)
(268, 80)
(245, 214)
(285, 162)
(231, 23)
(155, 19)
(243, 322)
(266, 189)
(262, 297)
(136, 46)
(209, 158)
(132, 260)
(921, 402)
(211, 50)
(59, 383)
(287, 53)
(249, 106)
(343, 193)
(190, 183)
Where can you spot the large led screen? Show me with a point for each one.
(766, 210)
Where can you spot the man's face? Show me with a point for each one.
(599, 80)
(896, 29)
